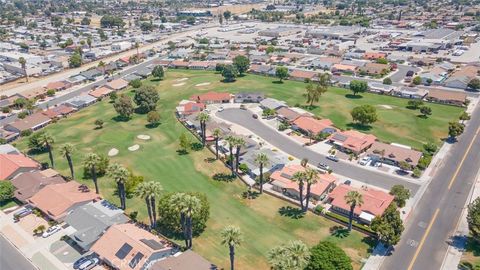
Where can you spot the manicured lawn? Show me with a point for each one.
(472, 253)
(7, 204)
(158, 160)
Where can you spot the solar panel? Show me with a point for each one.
(152, 244)
(123, 251)
(135, 260)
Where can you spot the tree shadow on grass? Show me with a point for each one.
(223, 177)
(422, 116)
(227, 81)
(120, 118)
(308, 107)
(339, 231)
(196, 146)
(352, 96)
(359, 126)
(277, 82)
(371, 242)
(151, 126)
(472, 246)
(250, 194)
(182, 152)
(291, 212)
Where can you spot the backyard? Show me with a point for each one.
(157, 159)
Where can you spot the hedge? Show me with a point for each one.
(354, 223)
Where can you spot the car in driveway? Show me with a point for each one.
(22, 213)
(51, 231)
(323, 166)
(364, 161)
(332, 158)
(89, 264)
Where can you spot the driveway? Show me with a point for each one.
(244, 118)
(401, 72)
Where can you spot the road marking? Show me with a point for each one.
(423, 239)
(422, 224)
(412, 243)
(463, 159)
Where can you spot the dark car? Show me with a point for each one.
(410, 73)
(255, 116)
(347, 182)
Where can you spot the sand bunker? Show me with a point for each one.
(202, 84)
(178, 84)
(113, 152)
(143, 137)
(134, 147)
(181, 80)
(386, 107)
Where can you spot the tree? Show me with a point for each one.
(358, 86)
(455, 129)
(146, 98)
(158, 72)
(6, 190)
(123, 106)
(291, 256)
(110, 21)
(137, 83)
(311, 178)
(227, 14)
(153, 118)
(365, 114)
(23, 64)
(261, 159)
(85, 21)
(281, 73)
(417, 80)
(99, 123)
(387, 81)
(474, 84)
(404, 166)
(149, 191)
(91, 163)
(314, 91)
(75, 60)
(241, 63)
(120, 175)
(231, 237)
(184, 143)
(89, 43)
(219, 67)
(389, 226)
(299, 178)
(473, 219)
(382, 61)
(401, 194)
(414, 104)
(217, 133)
(464, 117)
(47, 140)
(231, 142)
(66, 150)
(101, 65)
(203, 118)
(187, 206)
(229, 73)
(353, 198)
(328, 256)
(425, 111)
(238, 143)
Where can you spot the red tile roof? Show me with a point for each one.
(312, 125)
(193, 107)
(374, 201)
(303, 74)
(283, 178)
(353, 140)
(11, 163)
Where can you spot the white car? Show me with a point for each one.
(364, 161)
(50, 231)
(88, 264)
(220, 109)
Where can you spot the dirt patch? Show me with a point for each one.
(143, 137)
(178, 84)
(202, 84)
(134, 147)
(181, 79)
(113, 152)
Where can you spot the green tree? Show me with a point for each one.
(300, 178)
(101, 65)
(270, 50)
(229, 73)
(149, 191)
(311, 178)
(365, 114)
(414, 104)
(231, 142)
(241, 63)
(137, 83)
(315, 90)
(354, 199)
(99, 123)
(387, 81)
(404, 166)
(158, 72)
(464, 117)
(120, 175)
(47, 140)
(328, 256)
(66, 150)
(473, 219)
(91, 164)
(191, 20)
(203, 118)
(146, 98)
(417, 80)
(358, 86)
(281, 73)
(401, 194)
(227, 14)
(455, 129)
(184, 143)
(262, 160)
(124, 107)
(217, 133)
(6, 190)
(382, 61)
(474, 84)
(389, 226)
(85, 21)
(238, 143)
(153, 118)
(23, 64)
(425, 111)
(294, 255)
(187, 205)
(231, 237)
(75, 60)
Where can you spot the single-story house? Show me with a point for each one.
(13, 164)
(249, 97)
(202, 65)
(187, 107)
(375, 202)
(187, 260)
(374, 55)
(28, 184)
(263, 70)
(410, 92)
(309, 125)
(9, 149)
(81, 101)
(131, 77)
(58, 111)
(352, 141)
(344, 68)
(462, 77)
(143, 72)
(31, 122)
(272, 104)
(179, 64)
(286, 114)
(325, 63)
(91, 74)
(380, 88)
(374, 68)
(8, 136)
(117, 84)
(59, 85)
(33, 93)
(277, 161)
(100, 92)
(212, 97)
(393, 154)
(302, 75)
(447, 97)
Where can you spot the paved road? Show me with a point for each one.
(428, 231)
(11, 258)
(245, 119)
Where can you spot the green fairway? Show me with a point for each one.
(259, 219)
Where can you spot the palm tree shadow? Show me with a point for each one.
(359, 126)
(339, 231)
(277, 82)
(291, 212)
(351, 96)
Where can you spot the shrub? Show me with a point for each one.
(243, 167)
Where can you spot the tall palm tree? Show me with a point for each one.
(231, 141)
(192, 206)
(101, 65)
(261, 160)
(91, 162)
(294, 255)
(299, 178)
(203, 117)
(23, 64)
(120, 174)
(231, 237)
(239, 142)
(311, 178)
(353, 198)
(177, 200)
(156, 192)
(217, 133)
(143, 191)
(47, 141)
(137, 45)
(67, 150)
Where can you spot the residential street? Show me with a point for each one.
(425, 241)
(11, 258)
(245, 119)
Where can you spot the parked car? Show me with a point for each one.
(81, 261)
(52, 230)
(364, 161)
(22, 213)
(333, 158)
(323, 166)
(87, 265)
(221, 109)
(255, 116)
(243, 107)
(347, 182)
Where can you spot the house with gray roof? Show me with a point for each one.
(131, 77)
(81, 101)
(91, 220)
(249, 97)
(276, 161)
(271, 103)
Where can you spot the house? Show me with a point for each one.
(281, 181)
(57, 200)
(187, 107)
(187, 260)
(8, 136)
(352, 141)
(212, 97)
(277, 161)
(286, 114)
(59, 85)
(91, 220)
(302, 75)
(309, 125)
(81, 101)
(34, 93)
(58, 111)
(13, 164)
(375, 202)
(100, 92)
(344, 68)
(249, 97)
(374, 55)
(9, 149)
(117, 84)
(393, 154)
(143, 72)
(447, 97)
(325, 63)
(28, 184)
(201, 65)
(179, 64)
(410, 92)
(131, 77)
(91, 74)
(380, 88)
(31, 122)
(129, 247)
(272, 104)
(262, 70)
(375, 68)
(462, 77)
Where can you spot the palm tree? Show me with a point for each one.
(299, 178)
(239, 142)
(67, 150)
(156, 192)
(353, 198)
(293, 256)
(137, 45)
(91, 162)
(216, 134)
(261, 160)
(187, 205)
(149, 191)
(89, 43)
(311, 178)
(231, 141)
(23, 63)
(101, 65)
(120, 174)
(203, 117)
(231, 237)
(177, 200)
(47, 141)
